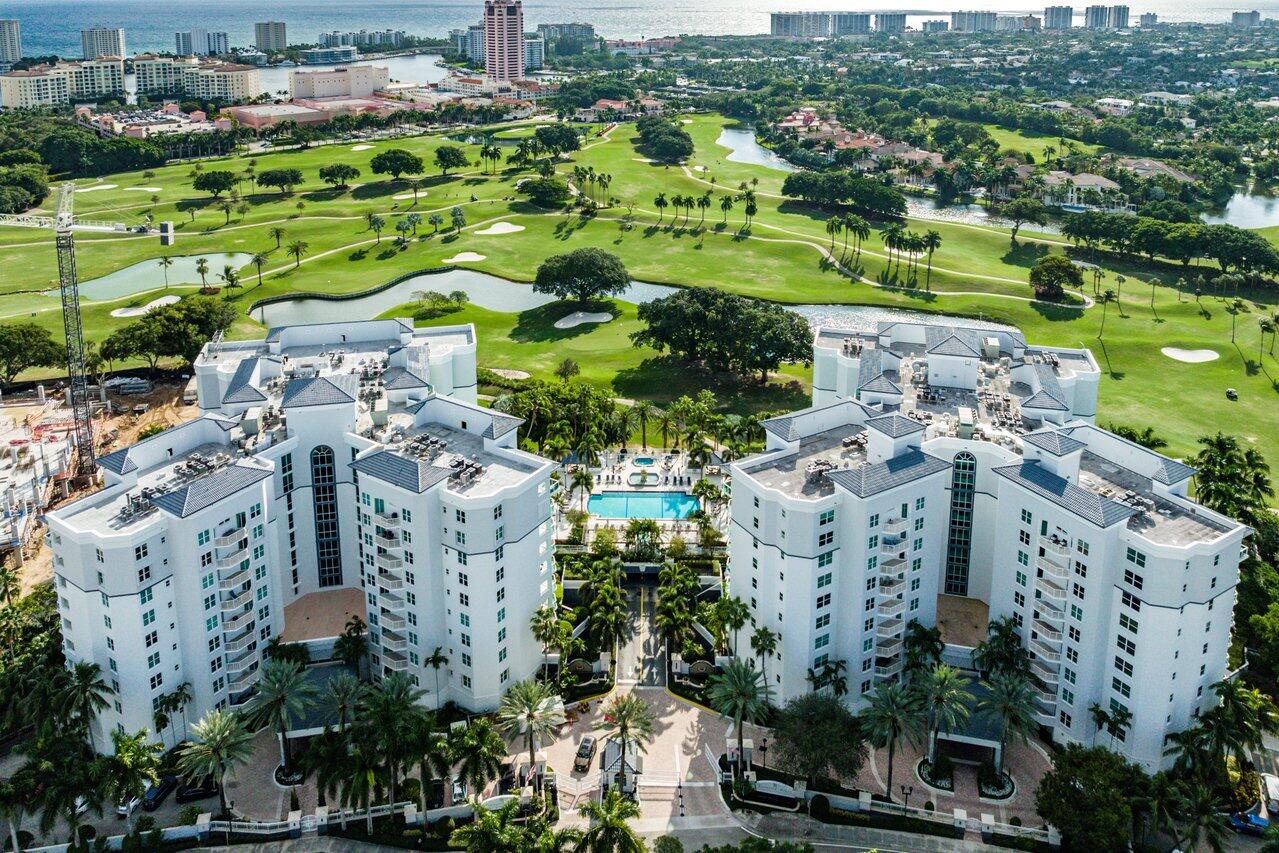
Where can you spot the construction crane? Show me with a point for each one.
(63, 225)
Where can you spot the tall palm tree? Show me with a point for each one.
(1106, 298)
(165, 262)
(328, 760)
(726, 204)
(740, 693)
(258, 260)
(532, 711)
(834, 225)
(297, 249)
(1203, 824)
(892, 714)
(931, 243)
(1010, 700)
(490, 830)
(764, 645)
(734, 614)
(133, 767)
(627, 719)
(609, 831)
(582, 480)
(367, 777)
(344, 693)
(283, 696)
(387, 717)
(944, 694)
(660, 203)
(15, 794)
(219, 743)
(546, 629)
(477, 753)
(83, 695)
(643, 411)
(430, 748)
(277, 234)
(436, 660)
(202, 270)
(860, 228)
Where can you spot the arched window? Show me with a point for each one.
(959, 541)
(328, 539)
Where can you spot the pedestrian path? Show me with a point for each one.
(800, 828)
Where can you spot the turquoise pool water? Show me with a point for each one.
(668, 505)
(644, 460)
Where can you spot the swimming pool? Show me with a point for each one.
(644, 461)
(666, 505)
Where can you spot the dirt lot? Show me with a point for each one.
(112, 433)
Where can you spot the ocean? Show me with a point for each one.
(53, 26)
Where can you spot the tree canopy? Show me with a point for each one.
(557, 138)
(26, 345)
(547, 192)
(861, 193)
(215, 182)
(582, 274)
(1050, 276)
(179, 330)
(396, 162)
(450, 157)
(663, 139)
(817, 736)
(282, 179)
(1087, 797)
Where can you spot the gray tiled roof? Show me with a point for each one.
(783, 427)
(1170, 471)
(879, 477)
(241, 389)
(319, 391)
(871, 373)
(415, 475)
(1041, 400)
(1055, 442)
(954, 345)
(501, 425)
(1101, 511)
(402, 379)
(117, 462)
(1163, 469)
(895, 425)
(209, 489)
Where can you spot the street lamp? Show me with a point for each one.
(907, 790)
(763, 752)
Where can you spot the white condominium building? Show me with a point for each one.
(10, 41)
(1059, 17)
(102, 41)
(954, 476)
(191, 75)
(270, 36)
(63, 82)
(972, 22)
(504, 39)
(352, 81)
(191, 42)
(338, 470)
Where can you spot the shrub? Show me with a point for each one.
(1014, 821)
(443, 827)
(943, 768)
(819, 807)
(189, 814)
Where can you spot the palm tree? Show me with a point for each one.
(202, 270)
(414, 220)
(1204, 824)
(133, 767)
(230, 276)
(367, 776)
(219, 743)
(165, 262)
(387, 717)
(609, 831)
(15, 793)
(478, 752)
(547, 627)
(376, 224)
(703, 202)
(627, 719)
(258, 260)
(764, 645)
(490, 830)
(660, 203)
(1011, 700)
(296, 250)
(834, 225)
(893, 713)
(532, 711)
(860, 228)
(734, 614)
(430, 748)
(945, 697)
(931, 243)
(283, 696)
(436, 221)
(436, 660)
(1106, 298)
(345, 692)
(328, 759)
(739, 692)
(277, 234)
(582, 480)
(84, 695)
(352, 645)
(726, 204)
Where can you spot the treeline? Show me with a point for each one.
(67, 149)
(1229, 246)
(865, 194)
(24, 181)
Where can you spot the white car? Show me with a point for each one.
(1270, 794)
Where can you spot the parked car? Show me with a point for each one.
(123, 810)
(159, 792)
(585, 752)
(1270, 792)
(1249, 824)
(196, 789)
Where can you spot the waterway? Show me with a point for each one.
(149, 275)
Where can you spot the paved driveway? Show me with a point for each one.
(641, 655)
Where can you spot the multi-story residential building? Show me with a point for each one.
(337, 470)
(189, 75)
(270, 36)
(1117, 18)
(350, 81)
(1059, 17)
(10, 42)
(972, 22)
(219, 44)
(800, 24)
(326, 55)
(1149, 20)
(938, 26)
(534, 52)
(849, 23)
(63, 82)
(890, 22)
(504, 39)
(1096, 17)
(1245, 20)
(194, 42)
(102, 41)
(584, 34)
(952, 476)
(363, 38)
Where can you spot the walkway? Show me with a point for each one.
(800, 828)
(641, 655)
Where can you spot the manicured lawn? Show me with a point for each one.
(1034, 143)
(782, 257)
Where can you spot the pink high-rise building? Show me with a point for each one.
(504, 39)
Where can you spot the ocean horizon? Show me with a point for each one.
(53, 26)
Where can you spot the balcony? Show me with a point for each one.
(385, 581)
(241, 662)
(892, 566)
(395, 661)
(892, 607)
(1045, 707)
(1047, 631)
(1045, 651)
(889, 628)
(1056, 547)
(234, 580)
(389, 520)
(235, 623)
(240, 643)
(231, 537)
(1049, 613)
(892, 587)
(392, 601)
(386, 561)
(888, 671)
(234, 559)
(393, 642)
(389, 620)
(237, 601)
(1044, 672)
(243, 683)
(895, 526)
(892, 546)
(888, 648)
(386, 541)
(1051, 590)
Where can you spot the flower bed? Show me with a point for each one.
(944, 780)
(994, 785)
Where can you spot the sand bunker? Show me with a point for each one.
(361, 147)
(507, 373)
(142, 189)
(139, 310)
(699, 168)
(686, 121)
(643, 160)
(501, 228)
(462, 257)
(581, 318)
(95, 188)
(1190, 356)
(403, 196)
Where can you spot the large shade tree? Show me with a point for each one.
(583, 275)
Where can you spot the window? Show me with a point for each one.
(822, 641)
(827, 517)
(1026, 517)
(1065, 719)
(919, 504)
(823, 580)
(872, 543)
(102, 559)
(1077, 590)
(1131, 601)
(1123, 665)
(144, 574)
(460, 515)
(1023, 536)
(153, 660)
(1081, 546)
(826, 538)
(1021, 579)
(825, 559)
(822, 621)
(1068, 697)
(157, 680)
(1135, 557)
(823, 600)
(1132, 579)
(918, 544)
(328, 543)
(1126, 645)
(140, 552)
(1023, 558)
(1127, 623)
(148, 617)
(1121, 687)
(1019, 599)
(872, 522)
(1076, 613)
(151, 639)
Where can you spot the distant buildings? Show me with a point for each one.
(363, 38)
(972, 22)
(469, 42)
(622, 47)
(270, 36)
(1059, 17)
(354, 81)
(328, 55)
(139, 123)
(504, 39)
(1117, 18)
(190, 75)
(1245, 20)
(890, 22)
(936, 26)
(102, 41)
(581, 33)
(819, 24)
(219, 43)
(63, 83)
(10, 42)
(1149, 20)
(1095, 17)
(534, 52)
(193, 42)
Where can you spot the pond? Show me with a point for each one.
(744, 148)
(149, 275)
(498, 294)
(1247, 208)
